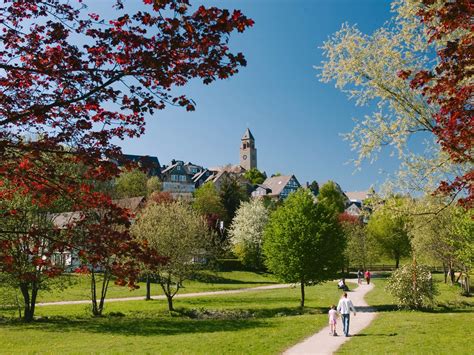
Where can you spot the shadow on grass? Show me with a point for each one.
(183, 321)
(129, 326)
(376, 335)
(215, 279)
(438, 309)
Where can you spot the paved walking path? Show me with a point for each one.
(322, 342)
(183, 295)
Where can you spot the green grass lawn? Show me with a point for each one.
(265, 322)
(447, 329)
(204, 281)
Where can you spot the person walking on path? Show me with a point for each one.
(332, 320)
(360, 276)
(367, 277)
(345, 307)
(322, 343)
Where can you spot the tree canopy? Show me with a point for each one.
(246, 233)
(303, 242)
(375, 68)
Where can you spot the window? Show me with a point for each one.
(174, 177)
(182, 178)
(178, 168)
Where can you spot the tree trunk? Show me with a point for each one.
(29, 307)
(397, 262)
(445, 272)
(148, 288)
(170, 302)
(302, 293)
(97, 308)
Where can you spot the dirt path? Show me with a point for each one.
(162, 297)
(322, 342)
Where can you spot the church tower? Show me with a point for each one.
(248, 153)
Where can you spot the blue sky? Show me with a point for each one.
(296, 120)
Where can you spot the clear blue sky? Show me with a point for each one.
(296, 120)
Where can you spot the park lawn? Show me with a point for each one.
(264, 322)
(447, 329)
(205, 281)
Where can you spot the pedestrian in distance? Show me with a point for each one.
(360, 276)
(342, 285)
(344, 307)
(332, 320)
(367, 277)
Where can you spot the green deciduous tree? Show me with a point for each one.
(303, 242)
(178, 233)
(232, 193)
(331, 195)
(131, 183)
(246, 233)
(208, 202)
(389, 229)
(153, 184)
(255, 176)
(361, 249)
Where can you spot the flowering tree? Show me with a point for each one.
(413, 286)
(71, 81)
(179, 233)
(246, 232)
(374, 68)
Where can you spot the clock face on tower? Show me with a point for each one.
(244, 157)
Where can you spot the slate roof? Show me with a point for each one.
(357, 195)
(277, 183)
(61, 220)
(145, 161)
(248, 135)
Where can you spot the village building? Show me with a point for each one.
(277, 187)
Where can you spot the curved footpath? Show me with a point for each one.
(182, 295)
(324, 343)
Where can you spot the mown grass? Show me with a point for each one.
(446, 329)
(265, 322)
(79, 285)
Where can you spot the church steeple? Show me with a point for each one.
(248, 152)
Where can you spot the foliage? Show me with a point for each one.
(331, 195)
(29, 243)
(449, 84)
(246, 233)
(160, 197)
(72, 82)
(369, 68)
(361, 249)
(179, 233)
(255, 176)
(232, 193)
(303, 242)
(208, 202)
(390, 231)
(131, 183)
(153, 184)
(413, 286)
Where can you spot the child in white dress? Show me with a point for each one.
(332, 320)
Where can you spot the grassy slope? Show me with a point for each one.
(263, 322)
(445, 330)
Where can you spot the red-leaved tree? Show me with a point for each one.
(450, 85)
(71, 81)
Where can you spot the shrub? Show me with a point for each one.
(413, 287)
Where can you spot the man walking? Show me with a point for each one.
(345, 307)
